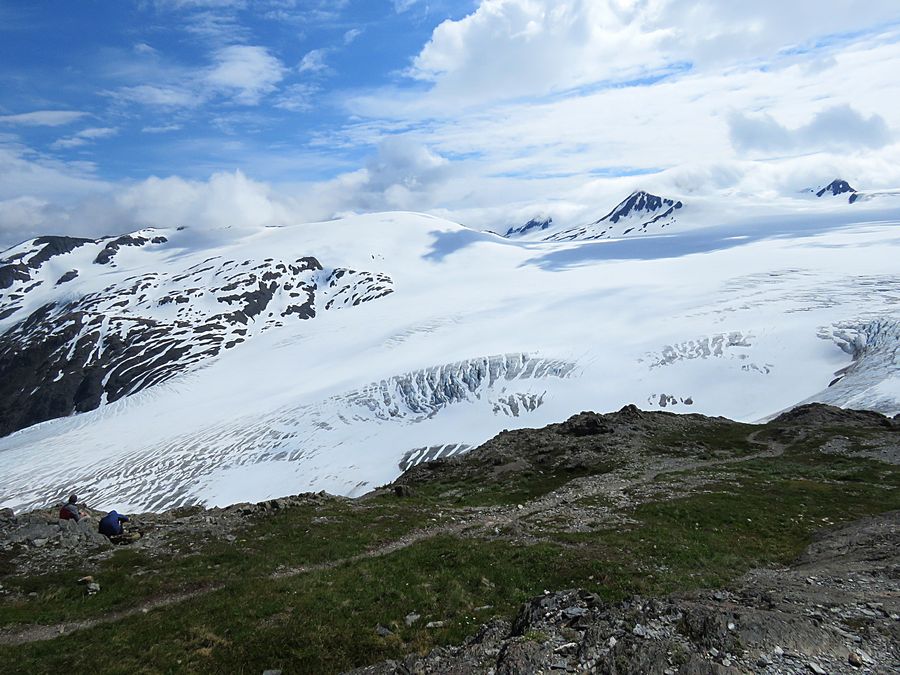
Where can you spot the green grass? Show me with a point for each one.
(488, 491)
(282, 539)
(753, 513)
(710, 441)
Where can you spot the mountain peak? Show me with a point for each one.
(639, 213)
(533, 225)
(641, 202)
(836, 187)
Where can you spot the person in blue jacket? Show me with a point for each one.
(111, 524)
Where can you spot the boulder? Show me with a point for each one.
(402, 491)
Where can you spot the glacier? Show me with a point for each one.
(165, 368)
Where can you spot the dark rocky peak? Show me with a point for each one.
(53, 246)
(835, 188)
(533, 225)
(641, 202)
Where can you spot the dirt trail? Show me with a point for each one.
(49, 632)
(479, 519)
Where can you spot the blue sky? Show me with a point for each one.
(136, 71)
(118, 114)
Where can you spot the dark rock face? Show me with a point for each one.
(67, 277)
(533, 225)
(75, 355)
(108, 253)
(835, 188)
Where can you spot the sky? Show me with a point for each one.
(116, 115)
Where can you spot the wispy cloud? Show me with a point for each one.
(401, 6)
(238, 74)
(84, 137)
(351, 35)
(144, 48)
(314, 61)
(161, 96)
(161, 129)
(297, 98)
(43, 118)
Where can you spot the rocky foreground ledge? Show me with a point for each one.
(688, 544)
(39, 542)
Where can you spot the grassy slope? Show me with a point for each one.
(749, 514)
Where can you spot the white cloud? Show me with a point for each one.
(45, 118)
(679, 120)
(84, 137)
(351, 35)
(226, 200)
(314, 61)
(23, 215)
(509, 48)
(39, 197)
(24, 172)
(402, 175)
(246, 72)
(512, 48)
(835, 128)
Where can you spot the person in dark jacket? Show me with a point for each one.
(70, 511)
(111, 524)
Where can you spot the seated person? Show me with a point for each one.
(111, 524)
(70, 511)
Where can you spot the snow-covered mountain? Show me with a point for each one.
(841, 188)
(217, 367)
(94, 343)
(640, 213)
